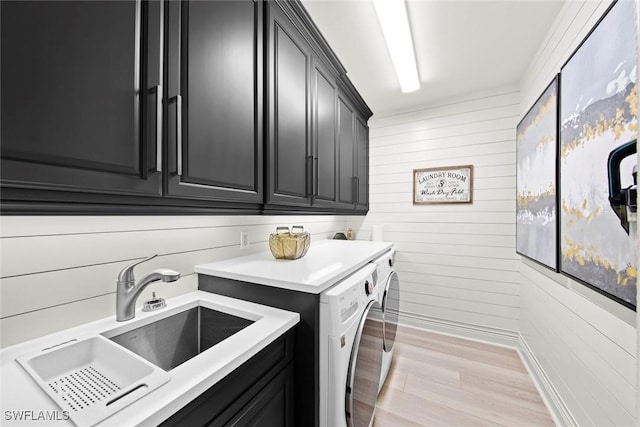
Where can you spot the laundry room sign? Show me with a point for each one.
(451, 184)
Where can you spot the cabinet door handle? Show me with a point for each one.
(309, 169)
(316, 177)
(159, 128)
(354, 189)
(179, 134)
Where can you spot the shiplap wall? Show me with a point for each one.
(59, 272)
(456, 262)
(584, 343)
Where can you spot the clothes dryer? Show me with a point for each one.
(388, 285)
(350, 357)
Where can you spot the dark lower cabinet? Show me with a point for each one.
(307, 337)
(258, 393)
(272, 406)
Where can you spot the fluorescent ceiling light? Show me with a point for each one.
(392, 15)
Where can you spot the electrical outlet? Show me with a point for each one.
(244, 239)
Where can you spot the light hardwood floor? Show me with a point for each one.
(437, 380)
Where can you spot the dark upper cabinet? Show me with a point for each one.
(288, 72)
(215, 98)
(362, 164)
(346, 151)
(353, 156)
(325, 153)
(80, 106)
(353, 149)
(176, 106)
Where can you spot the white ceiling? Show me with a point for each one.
(462, 46)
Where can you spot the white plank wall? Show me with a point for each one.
(456, 263)
(59, 272)
(584, 343)
(587, 353)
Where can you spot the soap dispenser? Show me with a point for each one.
(155, 303)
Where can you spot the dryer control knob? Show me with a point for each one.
(368, 288)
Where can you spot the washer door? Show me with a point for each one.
(365, 365)
(391, 310)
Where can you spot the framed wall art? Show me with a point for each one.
(536, 171)
(598, 129)
(451, 184)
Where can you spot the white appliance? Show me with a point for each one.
(350, 356)
(388, 286)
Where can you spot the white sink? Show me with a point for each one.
(92, 378)
(32, 371)
(170, 341)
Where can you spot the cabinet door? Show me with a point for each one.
(346, 141)
(215, 100)
(362, 164)
(262, 388)
(288, 77)
(272, 406)
(80, 105)
(324, 137)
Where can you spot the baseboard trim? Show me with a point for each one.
(559, 411)
(504, 338)
(494, 336)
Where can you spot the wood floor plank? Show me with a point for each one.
(519, 396)
(421, 334)
(478, 364)
(405, 362)
(499, 356)
(482, 405)
(396, 381)
(385, 418)
(439, 380)
(424, 412)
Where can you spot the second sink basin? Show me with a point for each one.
(92, 378)
(171, 341)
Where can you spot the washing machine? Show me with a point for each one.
(350, 357)
(388, 286)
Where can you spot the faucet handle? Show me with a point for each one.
(126, 275)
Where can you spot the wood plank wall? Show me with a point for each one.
(59, 272)
(457, 263)
(585, 343)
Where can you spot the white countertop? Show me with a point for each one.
(19, 392)
(326, 262)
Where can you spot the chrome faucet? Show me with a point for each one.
(127, 290)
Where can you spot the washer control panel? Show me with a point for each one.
(348, 304)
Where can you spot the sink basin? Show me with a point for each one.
(92, 378)
(171, 341)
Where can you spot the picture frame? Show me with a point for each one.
(449, 184)
(598, 118)
(536, 180)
